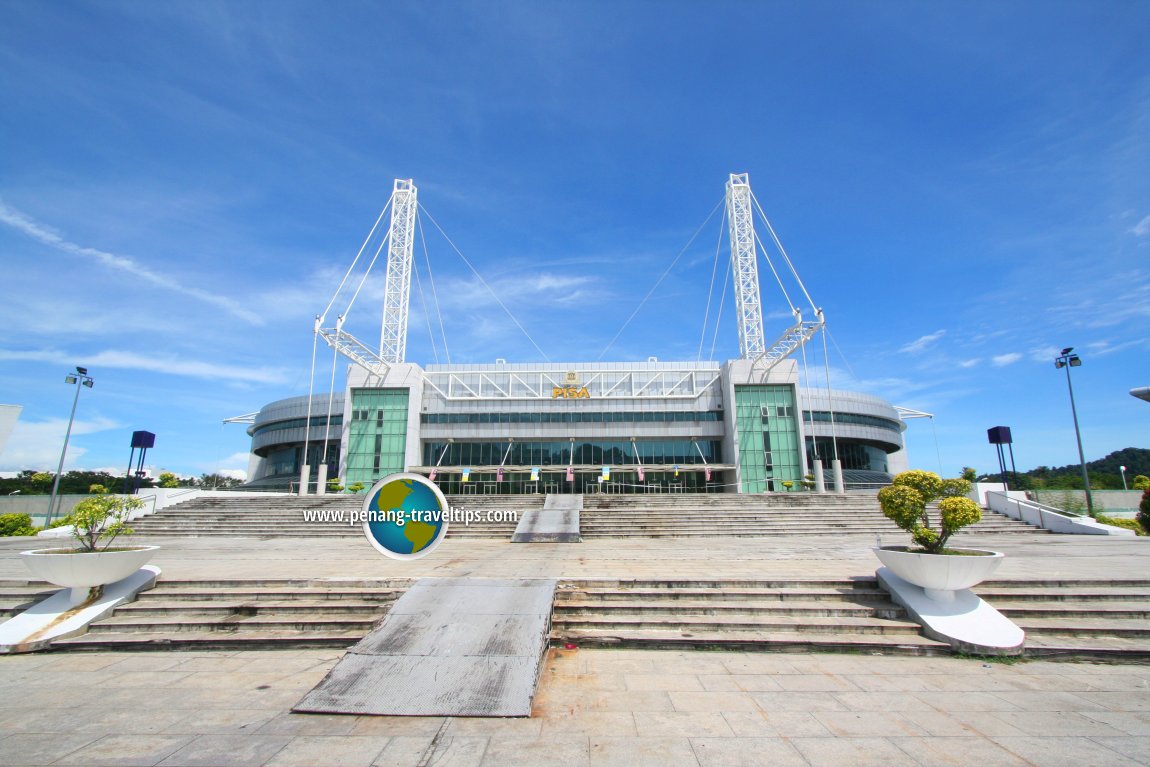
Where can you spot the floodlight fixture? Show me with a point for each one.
(71, 379)
(81, 377)
(1068, 349)
(82, 371)
(1068, 360)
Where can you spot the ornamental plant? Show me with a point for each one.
(1142, 482)
(101, 518)
(1144, 510)
(905, 502)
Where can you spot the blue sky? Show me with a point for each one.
(964, 187)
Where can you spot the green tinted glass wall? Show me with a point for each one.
(765, 420)
(377, 434)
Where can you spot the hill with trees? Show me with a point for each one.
(1104, 473)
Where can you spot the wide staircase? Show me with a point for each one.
(247, 614)
(275, 515)
(1074, 617)
(780, 615)
(732, 515)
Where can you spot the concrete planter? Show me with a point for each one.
(82, 571)
(940, 575)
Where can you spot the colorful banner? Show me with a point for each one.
(432, 475)
(606, 474)
(570, 474)
(466, 475)
(499, 475)
(534, 473)
(642, 475)
(707, 472)
(676, 470)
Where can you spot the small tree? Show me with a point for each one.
(969, 474)
(905, 502)
(1142, 482)
(102, 518)
(355, 487)
(1144, 510)
(168, 479)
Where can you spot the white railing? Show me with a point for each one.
(1048, 517)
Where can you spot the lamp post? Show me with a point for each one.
(1123, 470)
(1069, 360)
(79, 379)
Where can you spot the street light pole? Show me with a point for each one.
(1068, 360)
(80, 378)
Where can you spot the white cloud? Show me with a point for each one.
(914, 347)
(969, 363)
(1002, 360)
(1142, 228)
(36, 231)
(229, 467)
(37, 445)
(157, 364)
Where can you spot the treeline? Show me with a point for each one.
(1104, 473)
(80, 482)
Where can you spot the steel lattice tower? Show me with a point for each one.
(397, 287)
(745, 267)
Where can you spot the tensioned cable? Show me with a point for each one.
(710, 294)
(310, 392)
(770, 263)
(434, 293)
(830, 399)
(719, 314)
(426, 313)
(783, 250)
(807, 389)
(357, 255)
(659, 282)
(484, 283)
(331, 393)
(362, 280)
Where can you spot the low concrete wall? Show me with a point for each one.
(36, 506)
(1104, 500)
(1048, 517)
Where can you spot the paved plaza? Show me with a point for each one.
(594, 706)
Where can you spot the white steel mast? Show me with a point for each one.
(397, 286)
(744, 267)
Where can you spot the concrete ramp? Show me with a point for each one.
(448, 647)
(557, 522)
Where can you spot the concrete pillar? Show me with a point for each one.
(321, 480)
(820, 481)
(837, 470)
(304, 476)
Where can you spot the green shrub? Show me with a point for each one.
(1129, 524)
(905, 503)
(1144, 510)
(1142, 482)
(16, 524)
(102, 518)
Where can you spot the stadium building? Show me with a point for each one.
(744, 426)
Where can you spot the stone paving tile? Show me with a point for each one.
(746, 752)
(641, 752)
(986, 723)
(1133, 700)
(406, 751)
(775, 724)
(1129, 722)
(41, 748)
(567, 751)
(940, 724)
(959, 752)
(308, 724)
(893, 682)
(713, 701)
(1065, 752)
(1137, 749)
(758, 663)
(513, 727)
(599, 700)
(621, 723)
(797, 701)
(860, 724)
(139, 720)
(1053, 723)
(965, 701)
(852, 752)
(682, 723)
(668, 682)
(406, 726)
(879, 701)
(1050, 700)
(219, 721)
(815, 683)
(740, 683)
(232, 750)
(127, 751)
(329, 751)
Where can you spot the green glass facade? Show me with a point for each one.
(767, 428)
(377, 434)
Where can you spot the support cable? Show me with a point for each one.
(356, 259)
(484, 283)
(710, 294)
(719, 314)
(367, 272)
(310, 392)
(783, 251)
(830, 400)
(434, 294)
(658, 282)
(778, 279)
(331, 392)
(426, 314)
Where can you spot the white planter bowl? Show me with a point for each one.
(85, 570)
(940, 575)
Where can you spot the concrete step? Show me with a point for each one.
(752, 641)
(705, 608)
(769, 621)
(218, 640)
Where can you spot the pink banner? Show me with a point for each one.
(707, 472)
(499, 476)
(570, 474)
(432, 475)
(642, 475)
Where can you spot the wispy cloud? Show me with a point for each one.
(914, 347)
(969, 363)
(1142, 228)
(168, 364)
(1002, 360)
(23, 223)
(36, 444)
